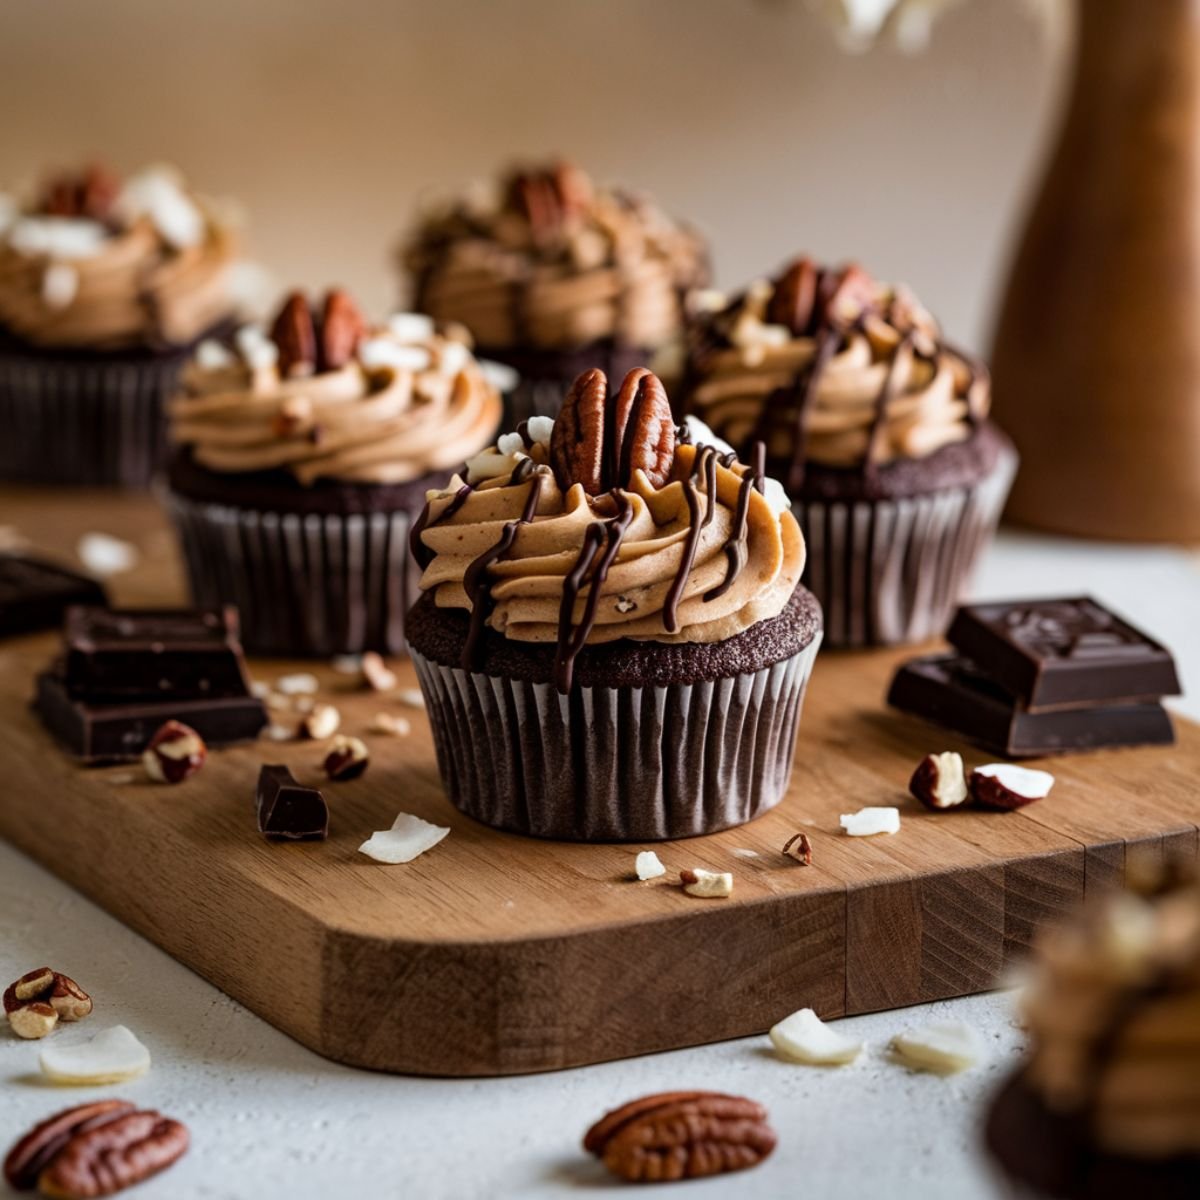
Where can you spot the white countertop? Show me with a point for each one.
(271, 1119)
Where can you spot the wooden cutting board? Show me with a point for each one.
(494, 954)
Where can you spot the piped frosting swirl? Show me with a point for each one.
(556, 263)
(330, 398)
(1113, 1010)
(93, 263)
(535, 557)
(830, 367)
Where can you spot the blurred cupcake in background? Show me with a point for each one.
(612, 637)
(556, 276)
(1107, 1103)
(877, 428)
(302, 456)
(105, 286)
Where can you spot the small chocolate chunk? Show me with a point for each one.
(1063, 653)
(287, 810)
(34, 593)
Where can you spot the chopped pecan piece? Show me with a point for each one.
(681, 1135)
(791, 303)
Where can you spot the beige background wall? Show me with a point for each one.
(328, 118)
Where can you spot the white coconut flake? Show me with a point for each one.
(648, 866)
(9, 209)
(453, 358)
(943, 1049)
(256, 349)
(301, 684)
(212, 356)
(410, 327)
(57, 237)
(743, 852)
(541, 429)
(777, 499)
(867, 822)
(393, 726)
(511, 443)
(378, 352)
(490, 464)
(60, 285)
(413, 697)
(111, 1056)
(408, 837)
(158, 193)
(701, 435)
(804, 1037)
(275, 732)
(104, 555)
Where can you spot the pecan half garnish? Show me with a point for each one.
(90, 193)
(295, 336)
(113, 1155)
(600, 441)
(681, 1135)
(547, 199)
(342, 328)
(791, 303)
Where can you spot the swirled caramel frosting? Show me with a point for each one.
(1113, 1011)
(95, 263)
(609, 523)
(555, 263)
(323, 396)
(829, 367)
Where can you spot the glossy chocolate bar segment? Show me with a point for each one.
(287, 810)
(1063, 653)
(952, 692)
(112, 733)
(34, 593)
(122, 654)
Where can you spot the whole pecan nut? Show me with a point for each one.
(37, 1149)
(681, 1135)
(600, 441)
(113, 1155)
(295, 336)
(342, 328)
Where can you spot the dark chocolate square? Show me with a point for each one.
(1063, 653)
(34, 593)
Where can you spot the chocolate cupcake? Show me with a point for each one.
(1107, 1104)
(302, 458)
(879, 431)
(104, 289)
(556, 276)
(613, 641)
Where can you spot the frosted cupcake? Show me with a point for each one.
(878, 429)
(612, 638)
(105, 287)
(1107, 1104)
(302, 457)
(556, 276)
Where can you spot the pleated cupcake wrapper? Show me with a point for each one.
(615, 764)
(304, 584)
(78, 421)
(892, 571)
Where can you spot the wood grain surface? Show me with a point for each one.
(496, 954)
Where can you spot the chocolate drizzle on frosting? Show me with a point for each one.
(476, 581)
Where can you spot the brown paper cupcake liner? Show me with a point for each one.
(616, 764)
(892, 571)
(313, 584)
(80, 420)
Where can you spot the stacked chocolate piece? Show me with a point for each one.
(123, 673)
(1037, 677)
